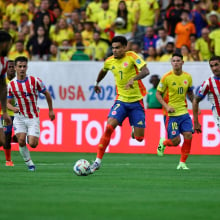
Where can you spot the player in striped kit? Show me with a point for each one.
(210, 87)
(5, 44)
(24, 89)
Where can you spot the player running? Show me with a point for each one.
(171, 93)
(128, 70)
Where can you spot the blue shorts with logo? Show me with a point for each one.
(176, 125)
(7, 128)
(134, 111)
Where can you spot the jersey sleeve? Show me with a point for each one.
(10, 95)
(40, 85)
(203, 89)
(162, 85)
(138, 61)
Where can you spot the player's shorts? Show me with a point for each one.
(30, 126)
(176, 125)
(7, 128)
(216, 117)
(134, 111)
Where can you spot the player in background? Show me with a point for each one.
(128, 69)
(8, 128)
(5, 44)
(210, 87)
(171, 93)
(24, 89)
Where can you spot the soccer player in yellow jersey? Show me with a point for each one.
(8, 128)
(171, 93)
(128, 70)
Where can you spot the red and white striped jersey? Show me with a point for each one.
(3, 66)
(25, 93)
(211, 87)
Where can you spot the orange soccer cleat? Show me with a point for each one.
(9, 163)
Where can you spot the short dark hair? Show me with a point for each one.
(177, 55)
(120, 39)
(215, 58)
(21, 59)
(5, 36)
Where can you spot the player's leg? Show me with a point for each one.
(173, 134)
(116, 116)
(136, 116)
(21, 133)
(186, 130)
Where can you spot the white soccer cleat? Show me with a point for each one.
(182, 166)
(95, 166)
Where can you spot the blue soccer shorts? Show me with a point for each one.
(176, 125)
(134, 111)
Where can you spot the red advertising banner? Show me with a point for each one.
(79, 130)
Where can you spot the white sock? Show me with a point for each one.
(26, 155)
(98, 160)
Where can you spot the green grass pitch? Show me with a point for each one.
(128, 186)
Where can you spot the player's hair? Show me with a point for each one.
(177, 55)
(5, 36)
(120, 39)
(215, 58)
(21, 59)
(154, 76)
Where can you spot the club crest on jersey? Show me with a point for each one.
(125, 64)
(138, 61)
(185, 82)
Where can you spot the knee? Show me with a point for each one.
(176, 141)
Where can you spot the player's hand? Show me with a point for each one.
(130, 84)
(97, 89)
(197, 127)
(7, 119)
(15, 110)
(170, 109)
(51, 115)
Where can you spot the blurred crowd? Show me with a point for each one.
(65, 30)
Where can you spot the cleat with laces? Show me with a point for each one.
(95, 166)
(9, 163)
(182, 166)
(161, 147)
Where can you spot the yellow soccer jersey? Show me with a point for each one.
(175, 87)
(123, 70)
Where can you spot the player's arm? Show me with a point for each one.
(11, 107)
(195, 105)
(101, 76)
(3, 99)
(144, 71)
(50, 105)
(159, 96)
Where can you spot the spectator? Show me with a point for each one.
(152, 55)
(151, 100)
(61, 32)
(173, 17)
(168, 52)
(92, 9)
(186, 53)
(128, 28)
(75, 21)
(87, 33)
(215, 36)
(66, 51)
(135, 46)
(213, 20)
(19, 51)
(80, 55)
(204, 45)
(14, 10)
(39, 45)
(38, 17)
(68, 6)
(150, 39)
(53, 56)
(196, 56)
(183, 30)
(24, 21)
(199, 17)
(147, 15)
(104, 20)
(161, 43)
(98, 47)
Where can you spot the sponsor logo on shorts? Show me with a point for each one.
(140, 123)
(173, 132)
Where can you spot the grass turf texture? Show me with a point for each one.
(128, 186)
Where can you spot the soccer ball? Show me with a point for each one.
(81, 167)
(120, 22)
